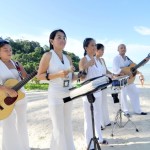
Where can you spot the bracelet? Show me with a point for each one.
(46, 76)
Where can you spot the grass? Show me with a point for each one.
(38, 86)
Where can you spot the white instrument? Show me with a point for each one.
(89, 86)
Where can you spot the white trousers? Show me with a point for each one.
(15, 136)
(88, 121)
(133, 93)
(104, 108)
(62, 138)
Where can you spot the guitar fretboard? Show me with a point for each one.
(139, 65)
(24, 81)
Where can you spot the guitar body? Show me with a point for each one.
(7, 103)
(127, 71)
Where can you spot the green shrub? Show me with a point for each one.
(33, 86)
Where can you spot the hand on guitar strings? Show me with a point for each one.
(11, 92)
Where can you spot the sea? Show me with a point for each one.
(145, 69)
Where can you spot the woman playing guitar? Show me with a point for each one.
(14, 127)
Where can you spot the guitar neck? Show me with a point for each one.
(139, 65)
(24, 81)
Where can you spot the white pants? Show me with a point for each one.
(132, 91)
(62, 138)
(104, 107)
(15, 136)
(97, 118)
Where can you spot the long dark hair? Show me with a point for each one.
(86, 43)
(52, 36)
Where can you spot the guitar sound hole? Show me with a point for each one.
(1, 108)
(10, 100)
(134, 72)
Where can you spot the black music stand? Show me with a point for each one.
(118, 119)
(91, 100)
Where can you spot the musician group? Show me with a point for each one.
(58, 69)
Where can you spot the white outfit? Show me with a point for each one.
(93, 71)
(62, 138)
(104, 106)
(130, 90)
(15, 136)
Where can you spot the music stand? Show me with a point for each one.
(91, 100)
(118, 117)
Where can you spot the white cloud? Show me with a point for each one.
(142, 30)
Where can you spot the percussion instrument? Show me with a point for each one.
(90, 86)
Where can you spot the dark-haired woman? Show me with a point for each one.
(88, 63)
(15, 136)
(57, 68)
(105, 121)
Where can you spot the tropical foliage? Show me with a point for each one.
(29, 53)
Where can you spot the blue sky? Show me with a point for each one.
(110, 22)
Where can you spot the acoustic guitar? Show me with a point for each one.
(132, 69)
(7, 103)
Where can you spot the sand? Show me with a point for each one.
(125, 138)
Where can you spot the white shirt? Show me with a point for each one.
(119, 63)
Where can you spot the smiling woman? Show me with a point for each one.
(57, 68)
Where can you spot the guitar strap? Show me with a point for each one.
(129, 59)
(18, 69)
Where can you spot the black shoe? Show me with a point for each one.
(108, 124)
(104, 142)
(143, 113)
(127, 115)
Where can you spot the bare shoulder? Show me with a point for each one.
(45, 59)
(83, 59)
(47, 55)
(68, 57)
